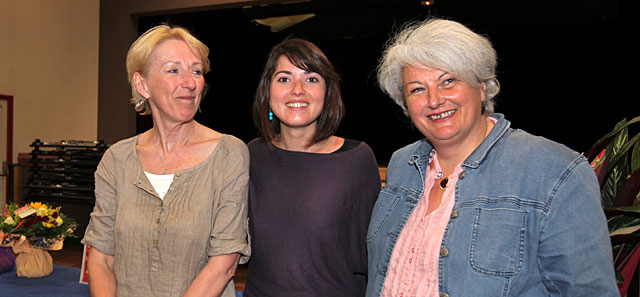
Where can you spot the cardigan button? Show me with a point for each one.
(444, 252)
(454, 213)
(462, 174)
(444, 295)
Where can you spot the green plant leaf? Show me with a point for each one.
(622, 222)
(623, 209)
(602, 142)
(620, 155)
(627, 186)
(616, 173)
(625, 230)
(635, 156)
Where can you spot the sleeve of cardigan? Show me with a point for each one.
(230, 227)
(100, 231)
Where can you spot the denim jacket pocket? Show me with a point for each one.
(497, 241)
(387, 201)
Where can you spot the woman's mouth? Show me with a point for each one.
(297, 104)
(442, 115)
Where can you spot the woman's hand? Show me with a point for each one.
(102, 280)
(213, 279)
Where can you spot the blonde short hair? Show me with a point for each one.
(140, 52)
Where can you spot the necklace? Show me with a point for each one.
(176, 153)
(443, 183)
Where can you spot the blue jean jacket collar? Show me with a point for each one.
(420, 157)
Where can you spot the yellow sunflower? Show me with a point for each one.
(37, 205)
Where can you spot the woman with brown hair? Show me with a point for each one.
(310, 192)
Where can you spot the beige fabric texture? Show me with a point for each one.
(160, 245)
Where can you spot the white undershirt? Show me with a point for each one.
(160, 182)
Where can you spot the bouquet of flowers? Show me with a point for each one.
(32, 229)
(42, 225)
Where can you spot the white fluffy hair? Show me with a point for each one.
(439, 44)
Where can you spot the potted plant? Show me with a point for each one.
(616, 160)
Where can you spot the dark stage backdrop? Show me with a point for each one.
(562, 68)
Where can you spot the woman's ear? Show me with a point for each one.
(483, 92)
(141, 85)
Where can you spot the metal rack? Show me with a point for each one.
(61, 173)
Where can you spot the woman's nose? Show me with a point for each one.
(434, 99)
(298, 88)
(188, 82)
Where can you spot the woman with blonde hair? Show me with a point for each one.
(170, 217)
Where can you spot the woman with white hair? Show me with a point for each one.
(478, 208)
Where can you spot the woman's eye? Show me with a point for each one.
(415, 90)
(282, 79)
(449, 81)
(197, 72)
(172, 71)
(313, 79)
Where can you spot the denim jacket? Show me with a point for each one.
(527, 220)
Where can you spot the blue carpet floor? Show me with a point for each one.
(63, 282)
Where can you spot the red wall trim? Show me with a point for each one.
(9, 100)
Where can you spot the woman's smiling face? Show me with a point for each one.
(296, 95)
(445, 109)
(174, 82)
